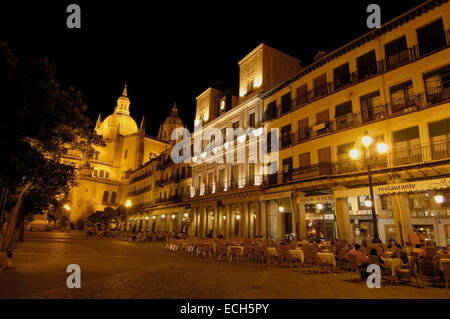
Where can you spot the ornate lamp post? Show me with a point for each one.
(382, 147)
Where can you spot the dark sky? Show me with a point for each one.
(172, 51)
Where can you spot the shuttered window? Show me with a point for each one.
(304, 160)
(320, 85)
(431, 37)
(367, 64)
(402, 90)
(343, 108)
(323, 117)
(406, 134)
(439, 128)
(302, 94)
(286, 103)
(345, 148)
(341, 76)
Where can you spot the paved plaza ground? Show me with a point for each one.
(120, 269)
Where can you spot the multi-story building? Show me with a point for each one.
(226, 179)
(394, 84)
(157, 188)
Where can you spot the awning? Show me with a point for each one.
(417, 186)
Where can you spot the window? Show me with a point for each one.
(304, 160)
(303, 129)
(95, 173)
(251, 173)
(320, 85)
(96, 155)
(126, 154)
(236, 124)
(183, 172)
(437, 85)
(224, 134)
(271, 111)
(407, 146)
(210, 181)
(113, 197)
(324, 155)
(439, 133)
(367, 65)
(222, 179)
(386, 203)
(322, 123)
(344, 150)
(234, 176)
(431, 37)
(286, 103)
(105, 196)
(343, 114)
(287, 169)
(402, 98)
(107, 175)
(362, 203)
(251, 120)
(101, 174)
(371, 107)
(302, 94)
(286, 136)
(397, 53)
(341, 76)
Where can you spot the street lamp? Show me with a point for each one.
(128, 203)
(382, 148)
(66, 207)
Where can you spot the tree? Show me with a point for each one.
(40, 121)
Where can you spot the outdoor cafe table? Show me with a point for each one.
(328, 258)
(241, 248)
(440, 262)
(299, 253)
(392, 263)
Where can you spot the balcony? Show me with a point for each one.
(395, 159)
(397, 107)
(390, 63)
(238, 183)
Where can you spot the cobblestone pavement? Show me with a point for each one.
(119, 269)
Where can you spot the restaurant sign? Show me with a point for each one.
(414, 186)
(315, 199)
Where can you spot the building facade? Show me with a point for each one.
(392, 84)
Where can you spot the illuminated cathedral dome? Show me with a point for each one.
(119, 120)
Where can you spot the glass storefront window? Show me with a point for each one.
(423, 204)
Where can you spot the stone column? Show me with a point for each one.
(263, 220)
(227, 221)
(245, 220)
(215, 221)
(295, 222)
(258, 219)
(402, 216)
(343, 219)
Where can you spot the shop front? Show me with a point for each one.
(402, 208)
(320, 217)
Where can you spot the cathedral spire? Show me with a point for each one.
(99, 121)
(124, 93)
(174, 109)
(123, 102)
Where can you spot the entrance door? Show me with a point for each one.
(288, 223)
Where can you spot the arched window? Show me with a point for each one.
(102, 173)
(107, 175)
(126, 154)
(95, 173)
(105, 196)
(113, 197)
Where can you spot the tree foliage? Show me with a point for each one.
(40, 121)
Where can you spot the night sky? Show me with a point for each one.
(173, 51)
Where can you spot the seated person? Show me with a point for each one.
(419, 250)
(363, 267)
(359, 256)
